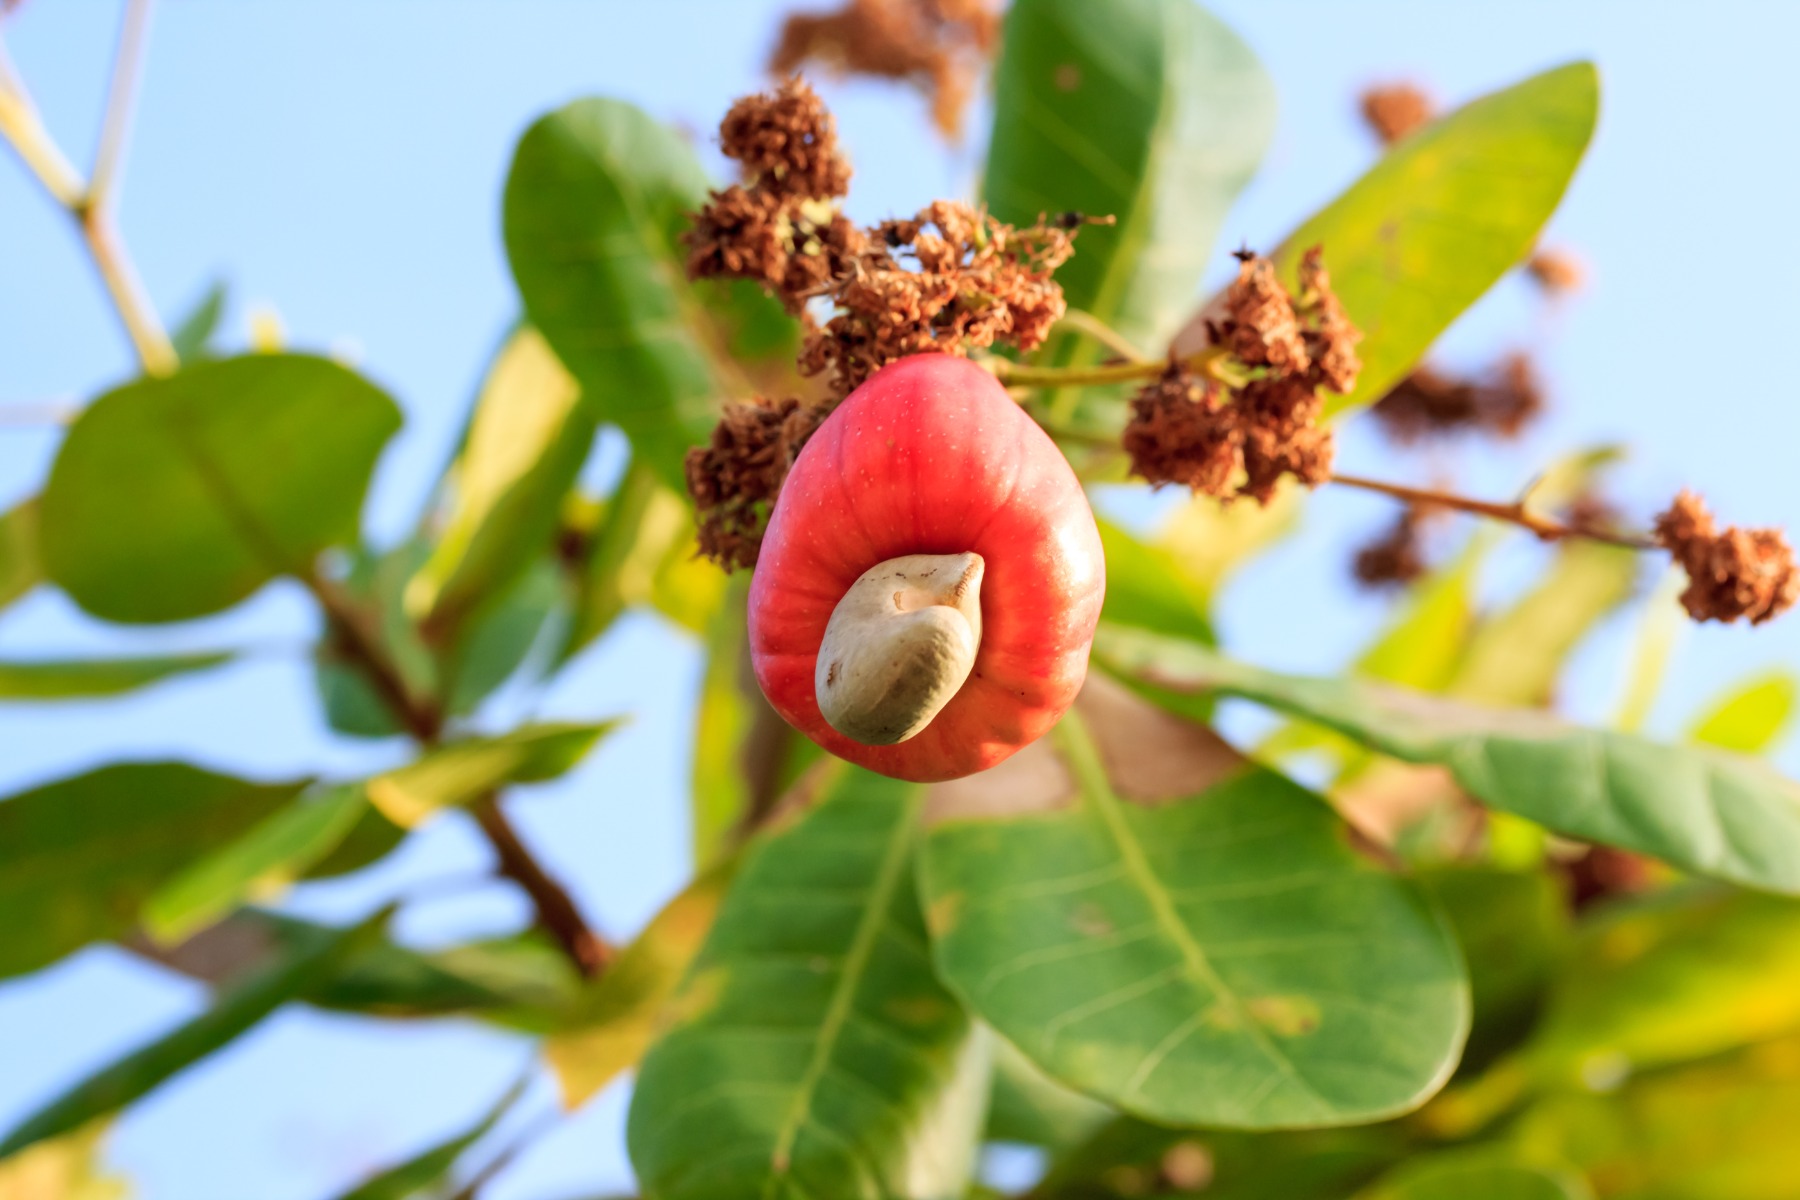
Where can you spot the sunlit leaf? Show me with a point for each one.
(1752, 717)
(1030, 1108)
(1165, 926)
(457, 773)
(235, 1012)
(1145, 587)
(63, 1168)
(279, 849)
(1482, 1174)
(1150, 111)
(1445, 214)
(1701, 809)
(596, 201)
(616, 1017)
(1212, 540)
(21, 568)
(812, 1051)
(526, 443)
(75, 678)
(174, 498)
(79, 856)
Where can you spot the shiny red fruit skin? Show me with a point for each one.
(931, 456)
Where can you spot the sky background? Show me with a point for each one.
(339, 163)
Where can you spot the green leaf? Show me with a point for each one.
(617, 1017)
(192, 335)
(67, 679)
(813, 1052)
(1516, 657)
(69, 1167)
(1671, 980)
(1752, 717)
(78, 857)
(1151, 111)
(1700, 809)
(1147, 589)
(235, 1013)
(1184, 935)
(428, 1173)
(278, 850)
(1445, 214)
(526, 443)
(460, 772)
(1030, 1108)
(1482, 1174)
(175, 498)
(21, 567)
(596, 202)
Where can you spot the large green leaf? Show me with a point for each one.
(1445, 214)
(1187, 936)
(1151, 111)
(813, 1053)
(21, 567)
(78, 857)
(277, 850)
(1476, 1175)
(236, 1012)
(596, 201)
(74, 678)
(174, 498)
(616, 1017)
(1701, 809)
(1147, 588)
(526, 443)
(1030, 1108)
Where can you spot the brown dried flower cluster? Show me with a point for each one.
(1397, 556)
(782, 228)
(952, 278)
(1731, 574)
(1394, 110)
(735, 478)
(1429, 403)
(939, 46)
(1240, 441)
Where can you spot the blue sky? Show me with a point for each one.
(340, 163)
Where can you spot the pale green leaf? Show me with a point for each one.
(428, 1174)
(192, 335)
(1482, 1174)
(460, 772)
(74, 678)
(1752, 717)
(21, 568)
(175, 498)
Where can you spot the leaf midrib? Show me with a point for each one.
(1078, 750)
(843, 997)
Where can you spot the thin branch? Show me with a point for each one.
(121, 100)
(1209, 361)
(1515, 512)
(1084, 322)
(142, 325)
(20, 126)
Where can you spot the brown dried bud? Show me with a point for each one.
(1558, 272)
(1395, 110)
(1429, 403)
(1179, 432)
(1737, 573)
(937, 45)
(1330, 336)
(1395, 558)
(1260, 325)
(735, 478)
(787, 141)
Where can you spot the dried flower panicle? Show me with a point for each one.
(734, 479)
(1428, 403)
(950, 279)
(1397, 556)
(1241, 441)
(782, 228)
(1394, 110)
(1731, 574)
(937, 45)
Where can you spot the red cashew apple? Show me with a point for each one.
(930, 579)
